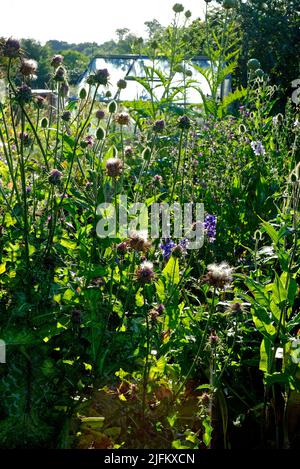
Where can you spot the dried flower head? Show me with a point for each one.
(66, 116)
(11, 48)
(24, 94)
(100, 114)
(138, 241)
(145, 273)
(122, 118)
(28, 67)
(218, 275)
(114, 167)
(128, 151)
(55, 176)
(159, 125)
(184, 122)
(178, 8)
(122, 84)
(40, 101)
(57, 60)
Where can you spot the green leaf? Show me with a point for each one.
(265, 355)
(2, 268)
(68, 244)
(68, 295)
(160, 290)
(171, 271)
(208, 429)
(139, 299)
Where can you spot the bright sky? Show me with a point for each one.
(85, 20)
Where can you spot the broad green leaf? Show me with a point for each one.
(2, 268)
(160, 290)
(171, 271)
(265, 355)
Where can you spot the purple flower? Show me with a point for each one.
(210, 227)
(166, 248)
(159, 125)
(258, 148)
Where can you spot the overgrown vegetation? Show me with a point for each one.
(133, 342)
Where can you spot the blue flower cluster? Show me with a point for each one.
(166, 248)
(210, 227)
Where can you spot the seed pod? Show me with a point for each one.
(253, 64)
(100, 133)
(82, 93)
(146, 153)
(112, 107)
(44, 123)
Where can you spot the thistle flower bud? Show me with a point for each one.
(24, 94)
(100, 133)
(178, 8)
(259, 73)
(145, 273)
(184, 123)
(114, 167)
(44, 123)
(122, 84)
(236, 308)
(178, 251)
(159, 125)
(100, 77)
(40, 101)
(122, 118)
(55, 177)
(82, 93)
(60, 74)
(87, 142)
(179, 68)
(112, 107)
(28, 68)
(157, 179)
(57, 60)
(11, 48)
(24, 138)
(146, 153)
(213, 338)
(100, 114)
(66, 116)
(253, 64)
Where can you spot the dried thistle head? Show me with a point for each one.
(145, 273)
(218, 275)
(114, 167)
(138, 241)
